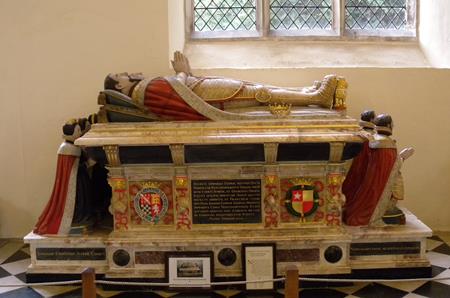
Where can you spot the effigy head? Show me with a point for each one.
(72, 130)
(75, 128)
(368, 115)
(367, 118)
(122, 82)
(384, 124)
(85, 125)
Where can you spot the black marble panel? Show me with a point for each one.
(70, 254)
(226, 201)
(224, 153)
(145, 154)
(303, 151)
(384, 248)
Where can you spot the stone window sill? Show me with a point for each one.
(302, 54)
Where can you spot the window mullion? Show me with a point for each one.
(188, 19)
(264, 15)
(340, 13)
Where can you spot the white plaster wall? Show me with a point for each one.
(55, 54)
(435, 31)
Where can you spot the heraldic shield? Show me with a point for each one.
(302, 200)
(151, 204)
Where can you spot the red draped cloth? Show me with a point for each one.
(366, 198)
(50, 219)
(355, 176)
(163, 101)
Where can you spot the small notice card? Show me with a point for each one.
(259, 265)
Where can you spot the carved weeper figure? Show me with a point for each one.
(379, 189)
(57, 215)
(188, 97)
(355, 175)
(71, 200)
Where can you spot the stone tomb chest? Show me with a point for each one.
(218, 185)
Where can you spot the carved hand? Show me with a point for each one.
(180, 63)
(406, 153)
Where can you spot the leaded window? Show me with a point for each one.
(223, 15)
(375, 14)
(341, 19)
(300, 14)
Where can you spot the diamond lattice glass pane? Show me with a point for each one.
(300, 14)
(375, 14)
(223, 15)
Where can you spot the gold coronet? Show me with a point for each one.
(150, 184)
(302, 181)
(280, 110)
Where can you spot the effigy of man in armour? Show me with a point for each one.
(188, 97)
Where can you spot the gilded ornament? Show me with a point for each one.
(118, 184)
(151, 184)
(280, 110)
(263, 95)
(301, 181)
(340, 94)
(335, 179)
(270, 179)
(181, 181)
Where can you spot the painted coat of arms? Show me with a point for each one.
(151, 204)
(302, 200)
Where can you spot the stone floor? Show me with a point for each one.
(15, 258)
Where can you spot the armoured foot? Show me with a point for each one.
(327, 90)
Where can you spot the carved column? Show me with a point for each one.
(271, 203)
(335, 199)
(119, 201)
(182, 203)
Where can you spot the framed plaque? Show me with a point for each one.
(189, 269)
(258, 263)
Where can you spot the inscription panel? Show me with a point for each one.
(384, 248)
(226, 201)
(70, 254)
